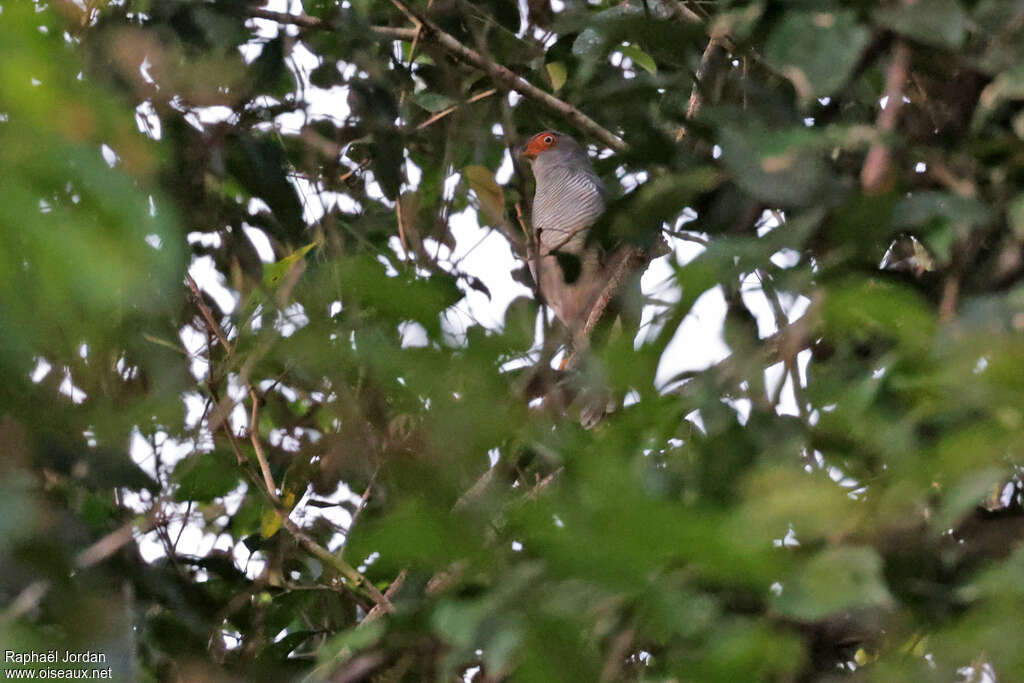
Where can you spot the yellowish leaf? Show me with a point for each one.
(557, 74)
(491, 196)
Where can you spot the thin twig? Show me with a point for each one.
(510, 80)
(686, 236)
(312, 23)
(695, 103)
(357, 580)
(630, 259)
(505, 77)
(207, 313)
(254, 437)
(445, 112)
(106, 546)
(378, 610)
(877, 170)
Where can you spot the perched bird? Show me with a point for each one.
(568, 200)
(571, 269)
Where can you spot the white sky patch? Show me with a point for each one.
(699, 342)
(68, 388)
(304, 514)
(413, 334)
(41, 370)
(413, 174)
(210, 280)
(260, 242)
(216, 113)
(194, 342)
(109, 155)
(204, 239)
(485, 254)
(291, 319)
(147, 120)
(504, 173)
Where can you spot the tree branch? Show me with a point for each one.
(208, 314)
(630, 259)
(428, 31)
(508, 79)
(876, 173)
(357, 580)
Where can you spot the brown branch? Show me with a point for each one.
(357, 580)
(695, 103)
(876, 174)
(441, 114)
(427, 30)
(312, 23)
(378, 610)
(207, 314)
(630, 259)
(509, 80)
(254, 437)
(107, 546)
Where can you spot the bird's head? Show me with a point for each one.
(551, 148)
(541, 143)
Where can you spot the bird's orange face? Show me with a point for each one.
(539, 143)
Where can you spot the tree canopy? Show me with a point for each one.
(279, 400)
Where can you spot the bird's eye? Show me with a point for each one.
(548, 139)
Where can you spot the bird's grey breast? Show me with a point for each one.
(567, 201)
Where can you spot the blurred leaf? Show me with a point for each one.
(856, 310)
(937, 22)
(491, 196)
(639, 57)
(433, 102)
(1008, 86)
(638, 217)
(783, 167)
(270, 523)
(816, 50)
(1015, 213)
(204, 476)
(833, 580)
(520, 321)
(274, 274)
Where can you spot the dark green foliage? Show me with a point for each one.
(714, 527)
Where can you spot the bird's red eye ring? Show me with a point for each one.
(548, 139)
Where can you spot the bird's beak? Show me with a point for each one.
(523, 153)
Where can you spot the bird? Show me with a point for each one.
(570, 268)
(569, 198)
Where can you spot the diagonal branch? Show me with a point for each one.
(357, 580)
(429, 31)
(876, 174)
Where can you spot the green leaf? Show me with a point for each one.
(782, 167)
(341, 647)
(433, 101)
(520, 321)
(1008, 86)
(936, 22)
(639, 57)
(1015, 214)
(834, 580)
(274, 273)
(204, 476)
(817, 50)
(640, 214)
